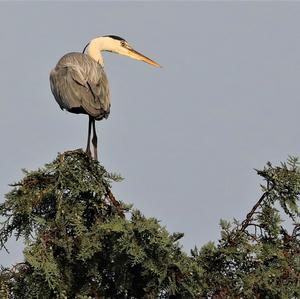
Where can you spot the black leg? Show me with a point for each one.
(88, 149)
(94, 141)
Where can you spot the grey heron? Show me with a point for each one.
(79, 83)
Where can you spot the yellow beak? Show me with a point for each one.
(138, 56)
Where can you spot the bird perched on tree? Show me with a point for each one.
(79, 83)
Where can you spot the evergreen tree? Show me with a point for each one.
(80, 242)
(259, 257)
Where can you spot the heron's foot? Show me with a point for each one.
(95, 155)
(88, 152)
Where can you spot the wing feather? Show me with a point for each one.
(79, 85)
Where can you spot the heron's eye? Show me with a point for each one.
(123, 43)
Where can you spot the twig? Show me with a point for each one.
(14, 267)
(114, 202)
(246, 222)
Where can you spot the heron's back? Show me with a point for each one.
(79, 85)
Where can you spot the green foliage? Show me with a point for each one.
(259, 257)
(80, 242)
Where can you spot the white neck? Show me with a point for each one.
(94, 50)
(103, 43)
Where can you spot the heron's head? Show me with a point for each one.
(116, 44)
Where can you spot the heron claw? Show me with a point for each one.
(88, 152)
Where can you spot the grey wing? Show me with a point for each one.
(80, 85)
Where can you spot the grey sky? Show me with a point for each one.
(185, 137)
